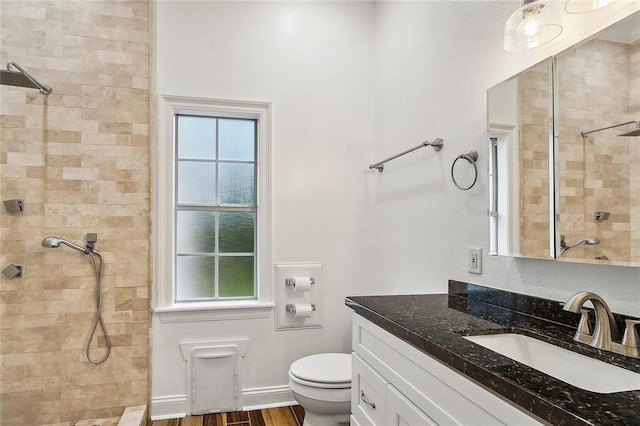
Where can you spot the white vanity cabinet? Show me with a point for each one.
(397, 384)
(401, 411)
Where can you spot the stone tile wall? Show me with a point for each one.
(594, 172)
(533, 110)
(80, 158)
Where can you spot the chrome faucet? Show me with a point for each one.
(605, 332)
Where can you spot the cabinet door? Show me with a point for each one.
(402, 412)
(368, 389)
(448, 398)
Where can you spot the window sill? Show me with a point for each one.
(218, 311)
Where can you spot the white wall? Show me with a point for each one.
(427, 65)
(314, 63)
(435, 61)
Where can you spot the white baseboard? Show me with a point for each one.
(177, 406)
(267, 397)
(169, 407)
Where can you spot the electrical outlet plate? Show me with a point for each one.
(475, 260)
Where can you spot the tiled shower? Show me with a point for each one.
(80, 160)
(608, 183)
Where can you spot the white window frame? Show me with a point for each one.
(164, 211)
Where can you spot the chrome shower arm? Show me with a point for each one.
(583, 133)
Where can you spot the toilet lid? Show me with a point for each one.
(323, 368)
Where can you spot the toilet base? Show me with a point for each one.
(313, 419)
(324, 413)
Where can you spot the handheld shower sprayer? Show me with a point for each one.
(98, 267)
(590, 241)
(54, 242)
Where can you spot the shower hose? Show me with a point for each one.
(99, 270)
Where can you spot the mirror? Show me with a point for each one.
(520, 125)
(565, 154)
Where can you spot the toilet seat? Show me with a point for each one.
(329, 371)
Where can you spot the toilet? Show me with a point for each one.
(321, 384)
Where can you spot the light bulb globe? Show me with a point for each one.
(529, 27)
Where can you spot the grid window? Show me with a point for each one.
(215, 209)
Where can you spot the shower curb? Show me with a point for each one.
(134, 416)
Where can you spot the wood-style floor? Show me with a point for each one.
(281, 416)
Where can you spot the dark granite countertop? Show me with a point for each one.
(436, 323)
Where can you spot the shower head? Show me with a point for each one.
(635, 132)
(590, 241)
(54, 242)
(21, 78)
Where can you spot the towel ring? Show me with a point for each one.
(471, 157)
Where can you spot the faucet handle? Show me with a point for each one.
(584, 326)
(631, 337)
(584, 333)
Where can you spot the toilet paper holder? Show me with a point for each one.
(290, 307)
(292, 281)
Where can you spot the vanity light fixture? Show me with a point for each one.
(585, 6)
(530, 26)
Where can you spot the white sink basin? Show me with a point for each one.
(576, 369)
